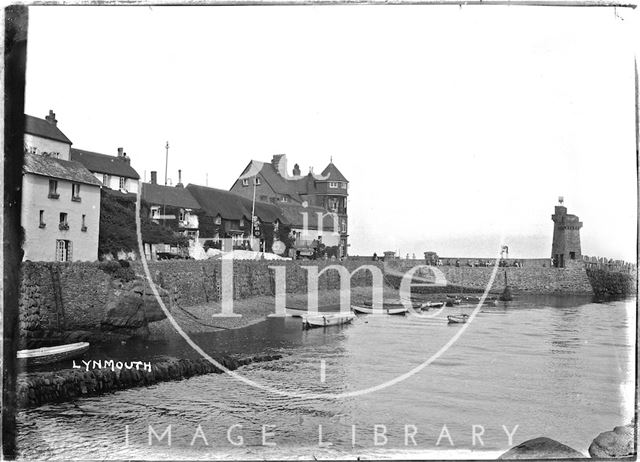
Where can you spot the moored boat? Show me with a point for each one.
(385, 309)
(457, 318)
(48, 355)
(327, 319)
(434, 304)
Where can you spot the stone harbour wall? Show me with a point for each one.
(37, 388)
(533, 280)
(198, 282)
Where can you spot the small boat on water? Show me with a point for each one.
(327, 319)
(397, 304)
(434, 304)
(476, 300)
(457, 318)
(385, 309)
(48, 355)
(453, 301)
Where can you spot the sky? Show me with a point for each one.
(456, 127)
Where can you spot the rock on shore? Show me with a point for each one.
(618, 443)
(542, 448)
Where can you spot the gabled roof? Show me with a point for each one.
(231, 206)
(57, 168)
(42, 128)
(103, 163)
(333, 174)
(172, 196)
(292, 186)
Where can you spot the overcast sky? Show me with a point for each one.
(453, 125)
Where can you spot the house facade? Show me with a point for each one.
(172, 206)
(270, 182)
(114, 172)
(60, 210)
(43, 137)
(228, 216)
(60, 198)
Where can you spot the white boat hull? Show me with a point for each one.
(325, 320)
(48, 355)
(385, 310)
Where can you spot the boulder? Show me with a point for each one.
(132, 307)
(542, 448)
(618, 443)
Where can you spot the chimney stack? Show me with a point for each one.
(51, 118)
(154, 177)
(121, 152)
(296, 170)
(179, 185)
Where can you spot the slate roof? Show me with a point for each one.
(168, 195)
(42, 128)
(103, 163)
(333, 174)
(231, 206)
(58, 168)
(293, 187)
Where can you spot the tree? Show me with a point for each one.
(118, 225)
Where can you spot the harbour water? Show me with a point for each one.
(561, 367)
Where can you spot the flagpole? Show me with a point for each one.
(253, 210)
(166, 166)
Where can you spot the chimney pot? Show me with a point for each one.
(121, 152)
(179, 185)
(51, 118)
(296, 170)
(154, 177)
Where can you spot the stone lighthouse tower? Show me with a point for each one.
(565, 248)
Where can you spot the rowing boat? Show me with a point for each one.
(385, 310)
(457, 318)
(48, 355)
(327, 319)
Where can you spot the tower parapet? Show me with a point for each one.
(565, 248)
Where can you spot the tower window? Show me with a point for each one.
(572, 255)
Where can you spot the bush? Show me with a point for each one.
(118, 270)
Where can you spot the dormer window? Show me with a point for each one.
(218, 220)
(257, 181)
(245, 182)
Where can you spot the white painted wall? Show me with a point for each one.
(40, 243)
(113, 182)
(47, 145)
